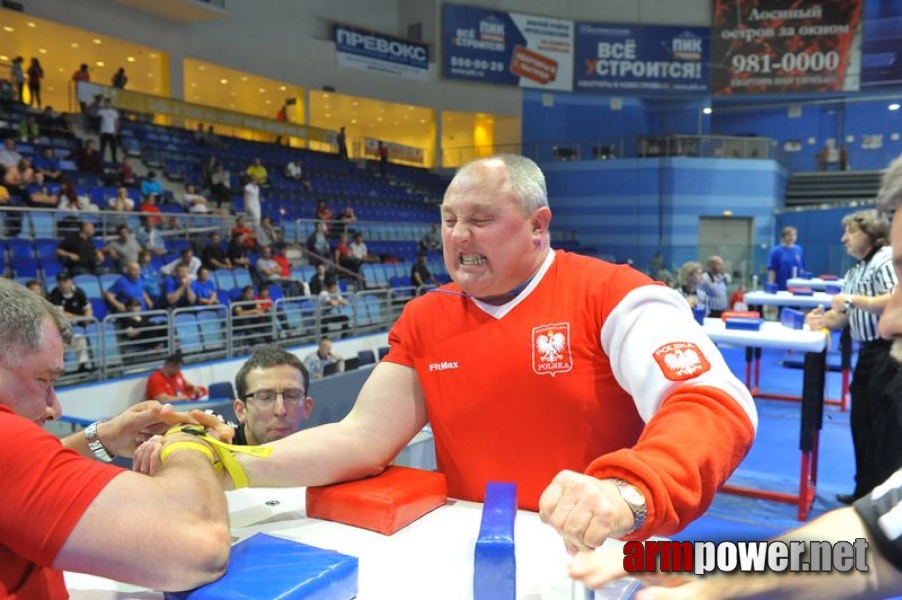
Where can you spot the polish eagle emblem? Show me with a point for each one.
(681, 360)
(551, 349)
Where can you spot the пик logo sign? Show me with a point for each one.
(551, 349)
(686, 46)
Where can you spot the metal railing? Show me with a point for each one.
(121, 344)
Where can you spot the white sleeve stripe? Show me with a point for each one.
(646, 319)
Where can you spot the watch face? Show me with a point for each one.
(633, 496)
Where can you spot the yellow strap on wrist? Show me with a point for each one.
(225, 451)
(195, 446)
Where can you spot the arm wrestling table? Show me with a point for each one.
(815, 283)
(430, 558)
(780, 299)
(814, 345)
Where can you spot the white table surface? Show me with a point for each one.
(771, 335)
(431, 558)
(761, 298)
(815, 283)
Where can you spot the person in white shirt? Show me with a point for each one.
(194, 202)
(190, 262)
(109, 128)
(252, 200)
(360, 251)
(317, 360)
(9, 158)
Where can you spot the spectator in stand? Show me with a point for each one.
(91, 118)
(88, 159)
(121, 201)
(186, 259)
(9, 156)
(35, 286)
(714, 284)
(431, 240)
(139, 334)
(345, 219)
(690, 285)
(74, 303)
(178, 290)
(268, 270)
(207, 170)
(17, 77)
(150, 280)
(124, 248)
(342, 144)
(330, 302)
(29, 129)
(78, 253)
(266, 233)
(18, 178)
(109, 129)
(151, 185)
(291, 286)
(70, 298)
(194, 202)
(169, 385)
(51, 123)
(257, 172)
(318, 244)
(250, 239)
(42, 196)
(359, 250)
(420, 275)
(126, 173)
(318, 280)
(237, 252)
(221, 185)
(383, 159)
(213, 256)
(128, 287)
(204, 289)
(251, 319)
(343, 257)
(149, 205)
(324, 214)
(81, 91)
(119, 79)
(35, 75)
(252, 200)
(200, 136)
(787, 259)
(317, 361)
(149, 236)
(48, 166)
(294, 171)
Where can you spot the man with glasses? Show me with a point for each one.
(272, 398)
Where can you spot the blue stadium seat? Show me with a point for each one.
(188, 333)
(211, 328)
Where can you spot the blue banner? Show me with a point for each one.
(361, 49)
(641, 59)
(507, 48)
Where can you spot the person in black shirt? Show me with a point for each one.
(78, 253)
(70, 298)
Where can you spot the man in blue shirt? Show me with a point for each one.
(787, 259)
(128, 287)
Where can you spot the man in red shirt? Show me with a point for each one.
(64, 511)
(169, 385)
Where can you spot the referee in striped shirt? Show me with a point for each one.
(866, 291)
(876, 517)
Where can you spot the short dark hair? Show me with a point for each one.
(63, 276)
(267, 357)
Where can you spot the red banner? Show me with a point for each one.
(765, 46)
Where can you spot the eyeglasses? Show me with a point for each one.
(268, 397)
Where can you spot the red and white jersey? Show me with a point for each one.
(593, 368)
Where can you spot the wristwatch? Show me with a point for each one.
(96, 446)
(848, 303)
(635, 500)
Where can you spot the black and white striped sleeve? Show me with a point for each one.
(881, 511)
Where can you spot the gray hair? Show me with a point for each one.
(525, 176)
(267, 357)
(890, 195)
(872, 223)
(22, 316)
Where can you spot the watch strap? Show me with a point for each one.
(95, 445)
(637, 503)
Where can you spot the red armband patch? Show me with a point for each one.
(681, 360)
